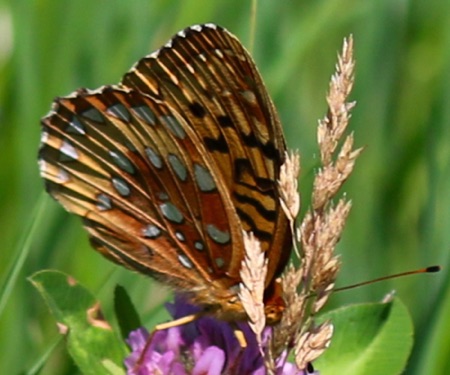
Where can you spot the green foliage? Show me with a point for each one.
(368, 339)
(91, 341)
(400, 188)
(128, 317)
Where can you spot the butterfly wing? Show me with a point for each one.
(169, 167)
(206, 75)
(144, 186)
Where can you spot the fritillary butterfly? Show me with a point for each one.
(170, 166)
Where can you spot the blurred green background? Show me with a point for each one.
(400, 188)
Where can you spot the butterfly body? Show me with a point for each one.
(168, 168)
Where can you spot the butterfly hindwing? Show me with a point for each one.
(147, 194)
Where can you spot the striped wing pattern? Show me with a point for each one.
(167, 168)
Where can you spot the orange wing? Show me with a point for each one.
(168, 168)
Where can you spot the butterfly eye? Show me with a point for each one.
(233, 301)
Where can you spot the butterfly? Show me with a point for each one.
(169, 168)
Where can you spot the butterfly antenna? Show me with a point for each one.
(431, 269)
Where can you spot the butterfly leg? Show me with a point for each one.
(240, 337)
(174, 323)
(179, 322)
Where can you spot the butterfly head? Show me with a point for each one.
(274, 304)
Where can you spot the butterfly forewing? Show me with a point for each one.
(206, 74)
(168, 168)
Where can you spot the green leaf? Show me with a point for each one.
(368, 339)
(93, 345)
(126, 314)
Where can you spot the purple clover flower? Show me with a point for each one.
(204, 347)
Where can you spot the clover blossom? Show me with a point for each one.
(206, 346)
